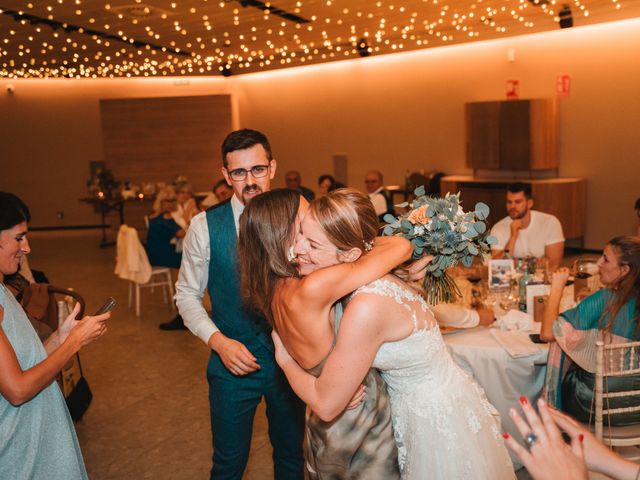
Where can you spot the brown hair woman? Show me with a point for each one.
(359, 442)
(611, 314)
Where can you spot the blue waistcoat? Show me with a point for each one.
(234, 319)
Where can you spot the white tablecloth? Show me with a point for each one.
(503, 377)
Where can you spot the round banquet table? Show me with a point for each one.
(503, 377)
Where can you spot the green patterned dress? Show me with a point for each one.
(359, 444)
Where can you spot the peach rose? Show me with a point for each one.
(419, 215)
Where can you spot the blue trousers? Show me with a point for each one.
(233, 401)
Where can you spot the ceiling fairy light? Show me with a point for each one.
(138, 38)
(69, 28)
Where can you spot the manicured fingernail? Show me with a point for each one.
(581, 438)
(523, 400)
(505, 435)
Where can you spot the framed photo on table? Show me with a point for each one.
(500, 272)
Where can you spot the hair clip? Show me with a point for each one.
(291, 255)
(368, 246)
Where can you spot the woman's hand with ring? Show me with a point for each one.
(547, 457)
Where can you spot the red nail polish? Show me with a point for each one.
(523, 400)
(505, 435)
(581, 438)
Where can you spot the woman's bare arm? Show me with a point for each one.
(362, 331)
(19, 386)
(552, 309)
(328, 285)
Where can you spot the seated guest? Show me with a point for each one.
(164, 232)
(186, 206)
(220, 192)
(336, 186)
(294, 182)
(324, 182)
(377, 194)
(162, 235)
(611, 315)
(37, 437)
(526, 232)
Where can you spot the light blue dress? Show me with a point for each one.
(37, 438)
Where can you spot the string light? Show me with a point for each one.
(92, 39)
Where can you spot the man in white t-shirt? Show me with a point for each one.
(526, 232)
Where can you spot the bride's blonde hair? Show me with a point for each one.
(348, 219)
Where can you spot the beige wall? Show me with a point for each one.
(394, 113)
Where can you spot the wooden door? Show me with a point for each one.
(515, 149)
(483, 135)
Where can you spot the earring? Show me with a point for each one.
(291, 255)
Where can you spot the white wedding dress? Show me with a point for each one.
(444, 426)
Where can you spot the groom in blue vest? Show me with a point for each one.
(242, 368)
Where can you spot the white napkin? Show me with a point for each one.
(517, 344)
(515, 320)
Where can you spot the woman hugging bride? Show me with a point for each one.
(301, 265)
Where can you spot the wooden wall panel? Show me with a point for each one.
(544, 134)
(156, 139)
(566, 199)
(563, 197)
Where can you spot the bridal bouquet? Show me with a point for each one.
(440, 227)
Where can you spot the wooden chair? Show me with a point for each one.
(616, 360)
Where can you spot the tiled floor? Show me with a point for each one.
(150, 412)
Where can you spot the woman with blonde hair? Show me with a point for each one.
(443, 425)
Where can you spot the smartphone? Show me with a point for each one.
(107, 306)
(535, 338)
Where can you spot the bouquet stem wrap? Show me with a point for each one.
(442, 289)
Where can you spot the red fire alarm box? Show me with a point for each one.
(513, 89)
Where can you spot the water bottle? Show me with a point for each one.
(525, 279)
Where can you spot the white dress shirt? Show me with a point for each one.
(378, 200)
(194, 274)
(453, 315)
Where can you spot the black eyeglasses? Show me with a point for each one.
(257, 171)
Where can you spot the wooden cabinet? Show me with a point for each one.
(563, 197)
(512, 135)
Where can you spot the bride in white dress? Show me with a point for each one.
(444, 426)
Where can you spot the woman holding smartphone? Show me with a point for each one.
(37, 438)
